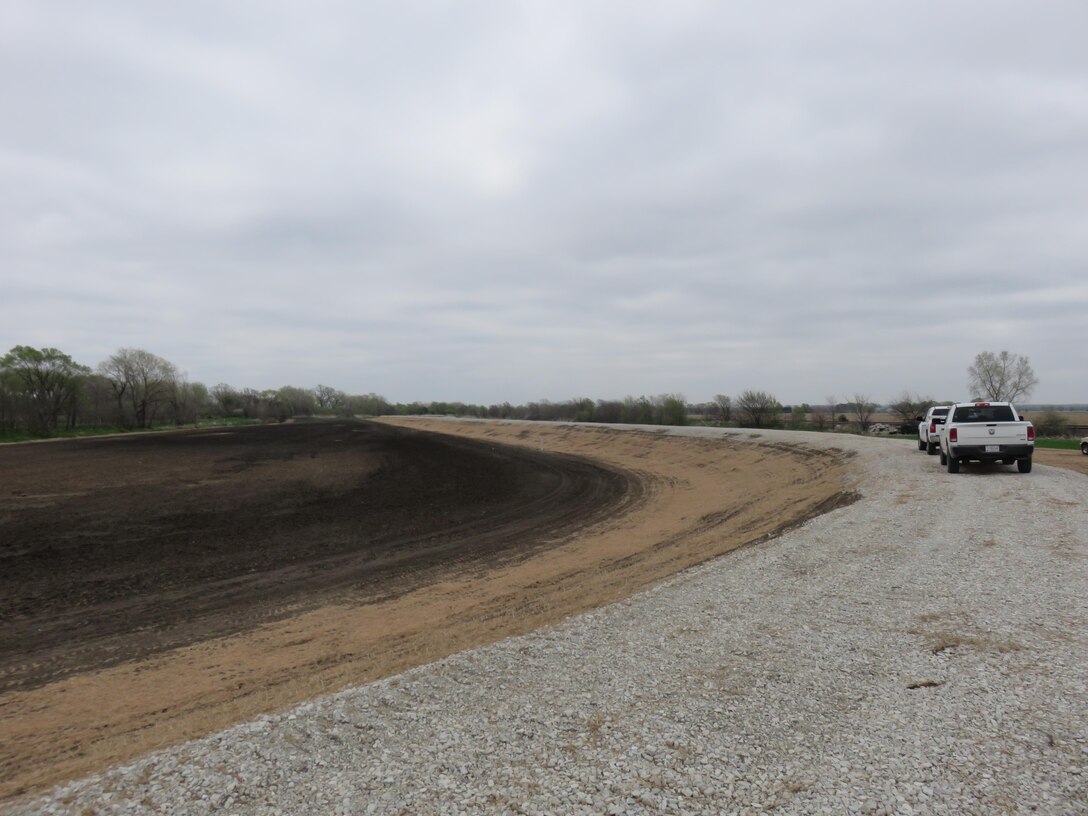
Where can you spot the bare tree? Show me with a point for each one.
(610, 411)
(724, 405)
(228, 398)
(1001, 377)
(329, 398)
(832, 404)
(908, 407)
(1051, 423)
(296, 401)
(144, 379)
(758, 409)
(188, 400)
(97, 400)
(863, 408)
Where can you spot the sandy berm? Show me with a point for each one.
(696, 499)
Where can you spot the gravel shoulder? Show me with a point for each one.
(923, 650)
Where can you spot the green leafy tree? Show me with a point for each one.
(638, 411)
(377, 405)
(49, 382)
(671, 409)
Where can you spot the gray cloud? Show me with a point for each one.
(524, 200)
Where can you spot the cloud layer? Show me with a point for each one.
(509, 201)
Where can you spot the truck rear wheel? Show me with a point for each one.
(1024, 465)
(944, 459)
(921, 445)
(931, 448)
(1084, 448)
(953, 465)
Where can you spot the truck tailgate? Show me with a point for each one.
(998, 433)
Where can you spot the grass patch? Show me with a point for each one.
(1060, 444)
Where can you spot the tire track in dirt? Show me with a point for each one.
(94, 578)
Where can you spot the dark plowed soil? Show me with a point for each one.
(119, 548)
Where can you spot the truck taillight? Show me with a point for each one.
(933, 426)
(1031, 433)
(953, 436)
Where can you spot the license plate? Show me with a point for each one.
(993, 449)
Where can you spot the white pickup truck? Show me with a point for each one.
(929, 428)
(986, 432)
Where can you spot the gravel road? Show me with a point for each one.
(923, 651)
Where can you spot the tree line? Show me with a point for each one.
(44, 390)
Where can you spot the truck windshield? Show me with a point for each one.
(985, 413)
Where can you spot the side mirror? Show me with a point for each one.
(918, 419)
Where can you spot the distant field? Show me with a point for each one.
(1074, 417)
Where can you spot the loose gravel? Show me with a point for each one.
(923, 651)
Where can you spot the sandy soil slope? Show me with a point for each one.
(657, 505)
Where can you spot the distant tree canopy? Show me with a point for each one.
(863, 408)
(1050, 423)
(43, 389)
(907, 406)
(44, 383)
(328, 398)
(723, 405)
(758, 409)
(1001, 377)
(142, 381)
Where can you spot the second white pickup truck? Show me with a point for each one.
(986, 432)
(929, 428)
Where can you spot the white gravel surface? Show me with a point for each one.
(924, 651)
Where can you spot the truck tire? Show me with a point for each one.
(944, 459)
(922, 445)
(931, 448)
(953, 465)
(1084, 448)
(1024, 465)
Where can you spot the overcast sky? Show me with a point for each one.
(488, 201)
